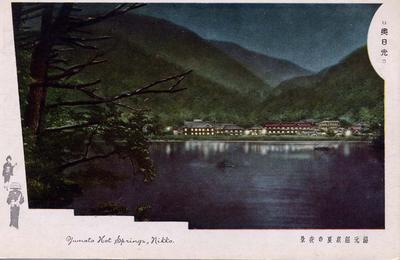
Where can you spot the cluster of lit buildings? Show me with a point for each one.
(199, 127)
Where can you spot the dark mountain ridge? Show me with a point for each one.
(186, 49)
(144, 49)
(271, 70)
(350, 90)
(221, 88)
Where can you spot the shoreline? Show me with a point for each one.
(256, 141)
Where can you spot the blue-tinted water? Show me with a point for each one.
(231, 185)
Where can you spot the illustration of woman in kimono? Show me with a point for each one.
(15, 199)
(8, 171)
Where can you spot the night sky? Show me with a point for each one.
(312, 35)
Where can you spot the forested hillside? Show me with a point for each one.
(350, 90)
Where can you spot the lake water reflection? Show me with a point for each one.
(230, 185)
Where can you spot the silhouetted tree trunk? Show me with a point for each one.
(51, 25)
(60, 43)
(38, 70)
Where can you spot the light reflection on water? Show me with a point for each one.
(211, 148)
(273, 184)
(216, 184)
(168, 149)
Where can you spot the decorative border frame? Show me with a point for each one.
(60, 234)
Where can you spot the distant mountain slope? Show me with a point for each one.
(184, 48)
(271, 70)
(350, 90)
(145, 49)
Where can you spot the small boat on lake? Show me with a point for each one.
(323, 148)
(225, 164)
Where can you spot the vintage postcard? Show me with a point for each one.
(200, 130)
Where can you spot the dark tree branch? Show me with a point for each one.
(90, 93)
(69, 127)
(69, 72)
(23, 36)
(58, 60)
(63, 49)
(25, 28)
(81, 31)
(91, 136)
(87, 159)
(34, 8)
(30, 17)
(179, 77)
(126, 106)
(27, 45)
(132, 164)
(84, 39)
(53, 55)
(56, 84)
(52, 66)
(112, 99)
(140, 91)
(76, 9)
(80, 44)
(118, 10)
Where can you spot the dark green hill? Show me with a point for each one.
(145, 49)
(350, 90)
(182, 47)
(271, 70)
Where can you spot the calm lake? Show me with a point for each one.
(252, 185)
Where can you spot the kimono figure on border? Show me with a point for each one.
(8, 169)
(15, 199)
